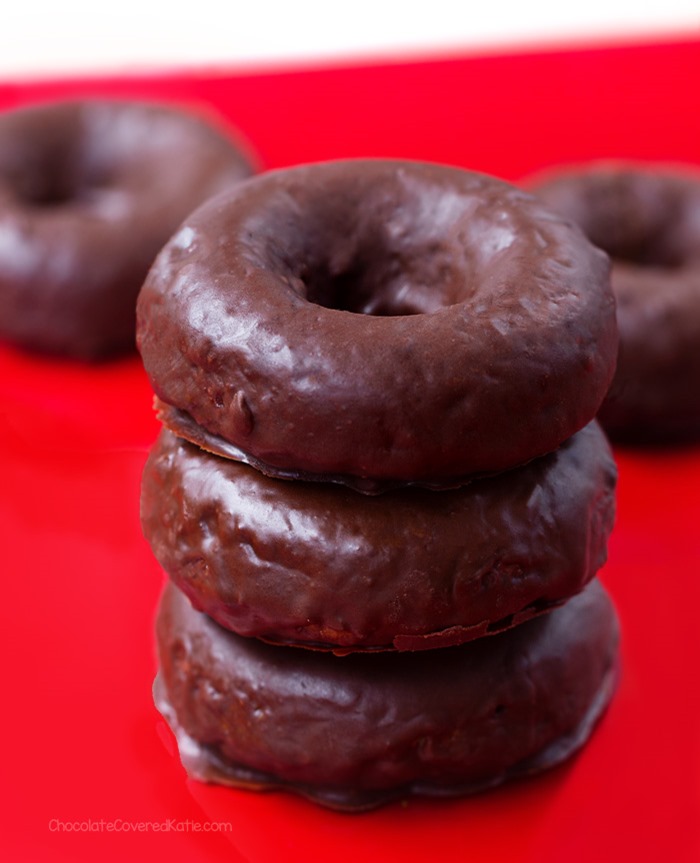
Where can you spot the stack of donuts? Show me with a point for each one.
(379, 492)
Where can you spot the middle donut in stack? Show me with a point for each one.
(431, 337)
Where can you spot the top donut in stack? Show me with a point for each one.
(379, 323)
(391, 328)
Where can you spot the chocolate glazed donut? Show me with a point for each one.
(317, 321)
(357, 732)
(647, 218)
(320, 566)
(89, 193)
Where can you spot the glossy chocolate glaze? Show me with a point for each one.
(647, 218)
(89, 193)
(390, 320)
(321, 566)
(355, 732)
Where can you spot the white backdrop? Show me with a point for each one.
(40, 36)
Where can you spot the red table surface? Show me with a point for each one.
(82, 742)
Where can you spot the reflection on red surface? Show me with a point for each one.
(83, 744)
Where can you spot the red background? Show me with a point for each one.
(82, 740)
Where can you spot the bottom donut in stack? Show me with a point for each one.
(381, 578)
(358, 731)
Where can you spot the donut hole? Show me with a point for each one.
(58, 174)
(637, 242)
(48, 194)
(381, 280)
(52, 189)
(635, 220)
(653, 254)
(361, 290)
(382, 247)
